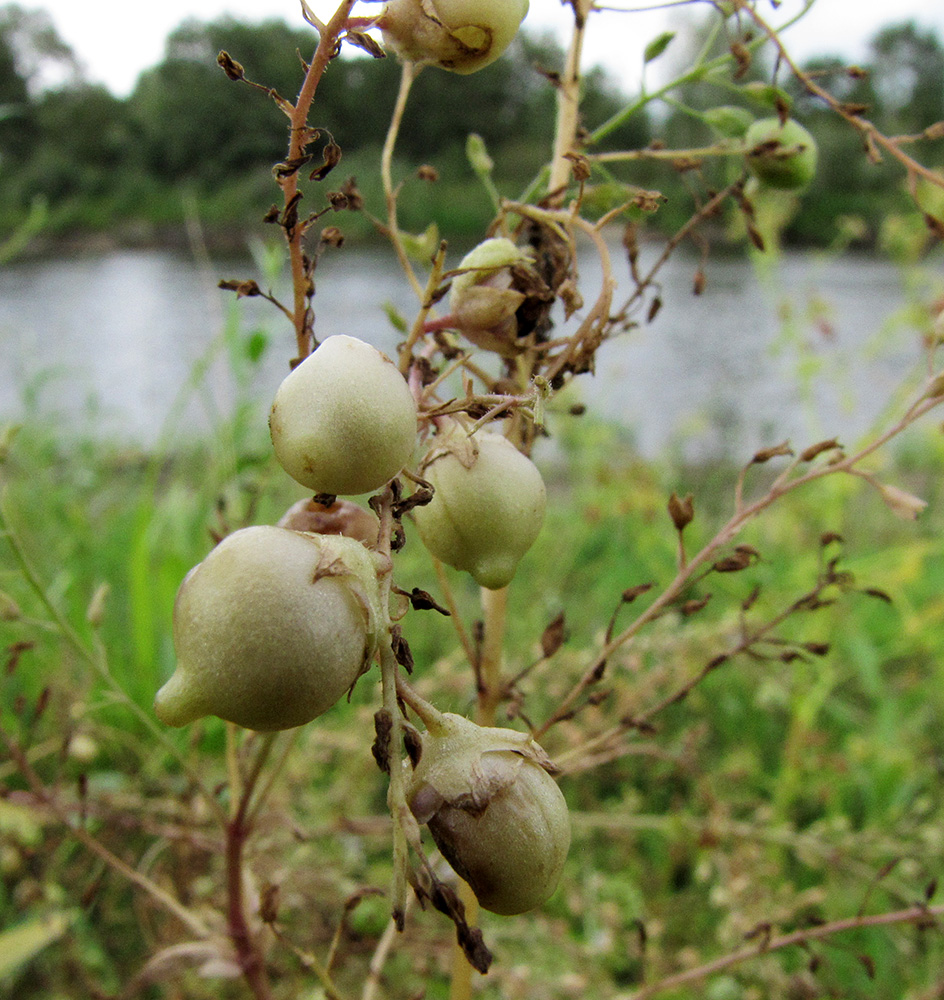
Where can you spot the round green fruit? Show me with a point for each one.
(487, 507)
(344, 421)
(781, 155)
(459, 35)
(271, 629)
(494, 810)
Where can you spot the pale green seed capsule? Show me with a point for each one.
(487, 508)
(271, 629)
(344, 421)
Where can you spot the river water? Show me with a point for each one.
(101, 344)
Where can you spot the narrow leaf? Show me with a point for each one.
(657, 46)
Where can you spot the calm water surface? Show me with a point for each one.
(102, 344)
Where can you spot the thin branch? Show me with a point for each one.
(918, 914)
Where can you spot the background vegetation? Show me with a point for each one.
(133, 168)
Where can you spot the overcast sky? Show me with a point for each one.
(116, 39)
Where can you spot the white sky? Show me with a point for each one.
(116, 39)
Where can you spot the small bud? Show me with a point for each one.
(781, 154)
(900, 503)
(494, 810)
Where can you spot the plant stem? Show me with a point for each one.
(299, 136)
(568, 101)
(407, 76)
(238, 831)
(494, 615)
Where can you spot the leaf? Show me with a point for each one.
(255, 345)
(20, 944)
(394, 318)
(657, 46)
(422, 246)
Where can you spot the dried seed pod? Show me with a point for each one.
(271, 629)
(781, 155)
(344, 421)
(459, 35)
(487, 508)
(494, 810)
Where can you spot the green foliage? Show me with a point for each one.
(796, 786)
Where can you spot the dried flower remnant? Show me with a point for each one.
(495, 812)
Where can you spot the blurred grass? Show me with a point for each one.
(776, 792)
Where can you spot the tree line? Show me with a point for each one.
(189, 136)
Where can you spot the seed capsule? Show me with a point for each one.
(487, 508)
(459, 35)
(271, 629)
(494, 811)
(781, 155)
(344, 421)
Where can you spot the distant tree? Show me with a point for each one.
(907, 64)
(193, 122)
(82, 143)
(32, 55)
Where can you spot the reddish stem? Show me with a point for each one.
(247, 952)
(327, 46)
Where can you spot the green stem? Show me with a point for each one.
(407, 76)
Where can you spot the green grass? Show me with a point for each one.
(777, 791)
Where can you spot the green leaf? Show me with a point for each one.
(422, 246)
(19, 944)
(255, 345)
(396, 320)
(657, 46)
